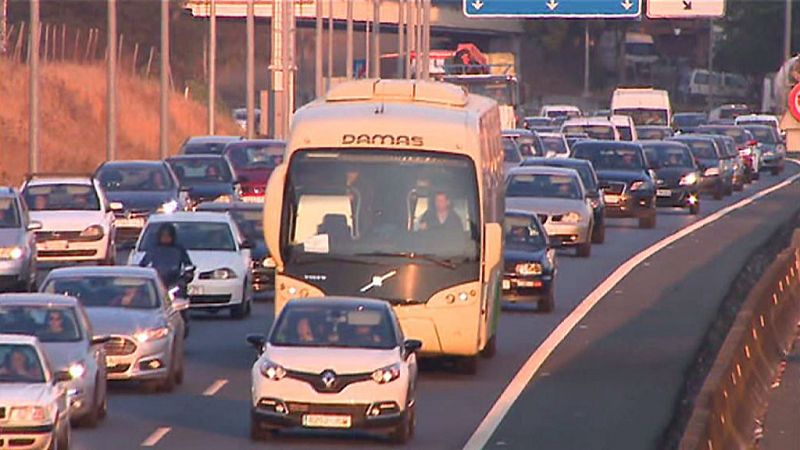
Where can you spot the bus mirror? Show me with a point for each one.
(493, 235)
(272, 212)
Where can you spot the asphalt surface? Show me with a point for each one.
(450, 406)
(783, 415)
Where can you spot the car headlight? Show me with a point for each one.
(689, 179)
(272, 371)
(152, 334)
(94, 232)
(571, 217)
(77, 370)
(268, 263)
(711, 171)
(11, 253)
(594, 202)
(638, 185)
(534, 268)
(168, 207)
(224, 198)
(28, 414)
(386, 374)
(218, 274)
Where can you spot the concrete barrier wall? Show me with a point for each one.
(736, 391)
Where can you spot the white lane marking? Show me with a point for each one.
(489, 424)
(157, 435)
(215, 387)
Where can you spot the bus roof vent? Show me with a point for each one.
(399, 90)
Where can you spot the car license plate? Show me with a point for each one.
(55, 245)
(611, 199)
(506, 285)
(136, 222)
(326, 421)
(253, 199)
(195, 290)
(664, 193)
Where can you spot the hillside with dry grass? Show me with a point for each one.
(73, 126)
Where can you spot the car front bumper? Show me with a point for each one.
(630, 205)
(215, 293)
(26, 437)
(677, 196)
(526, 289)
(570, 233)
(146, 361)
(72, 251)
(14, 274)
(768, 161)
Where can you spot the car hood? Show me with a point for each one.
(150, 200)
(208, 260)
(621, 175)
(11, 236)
(62, 354)
(122, 321)
(672, 175)
(68, 220)
(524, 255)
(12, 394)
(548, 206)
(340, 360)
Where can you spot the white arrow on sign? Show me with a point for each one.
(627, 4)
(552, 5)
(666, 9)
(477, 4)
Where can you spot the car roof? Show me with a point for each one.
(543, 170)
(212, 139)
(516, 132)
(603, 142)
(550, 134)
(21, 339)
(588, 121)
(133, 163)
(37, 299)
(109, 271)
(350, 302)
(653, 127)
(197, 156)
(693, 136)
(224, 207)
(246, 142)
(555, 162)
(189, 216)
(662, 143)
(70, 179)
(561, 106)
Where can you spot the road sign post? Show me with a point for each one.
(554, 8)
(685, 9)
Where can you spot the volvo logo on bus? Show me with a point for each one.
(383, 139)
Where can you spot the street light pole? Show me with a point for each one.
(586, 68)
(711, 78)
(376, 38)
(319, 84)
(426, 38)
(111, 83)
(787, 31)
(349, 51)
(250, 77)
(401, 25)
(212, 66)
(4, 27)
(164, 138)
(33, 85)
(330, 43)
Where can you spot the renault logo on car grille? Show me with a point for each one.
(328, 378)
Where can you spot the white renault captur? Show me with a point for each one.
(34, 409)
(77, 219)
(218, 250)
(334, 363)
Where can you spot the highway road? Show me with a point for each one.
(210, 410)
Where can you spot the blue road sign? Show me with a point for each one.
(553, 8)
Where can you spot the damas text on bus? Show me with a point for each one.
(383, 139)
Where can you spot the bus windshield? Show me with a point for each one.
(642, 116)
(355, 203)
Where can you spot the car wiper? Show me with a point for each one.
(412, 255)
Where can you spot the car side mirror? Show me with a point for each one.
(62, 376)
(412, 346)
(257, 341)
(115, 206)
(248, 244)
(188, 273)
(34, 225)
(100, 340)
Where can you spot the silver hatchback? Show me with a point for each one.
(17, 243)
(142, 320)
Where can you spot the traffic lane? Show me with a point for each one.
(618, 376)
(450, 405)
(783, 413)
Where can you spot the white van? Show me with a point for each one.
(646, 106)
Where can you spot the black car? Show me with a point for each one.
(206, 178)
(624, 177)
(773, 149)
(249, 218)
(143, 188)
(529, 273)
(207, 145)
(654, 132)
(688, 122)
(528, 142)
(589, 179)
(744, 145)
(677, 175)
(538, 123)
(714, 162)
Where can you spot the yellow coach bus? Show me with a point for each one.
(393, 189)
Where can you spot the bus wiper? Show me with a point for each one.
(412, 255)
(335, 258)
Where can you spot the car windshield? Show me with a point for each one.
(537, 122)
(688, 120)
(251, 223)
(510, 151)
(9, 216)
(555, 145)
(199, 236)
(642, 116)
(331, 325)
(701, 149)
(20, 363)
(107, 291)
(256, 155)
(204, 148)
(49, 324)
(609, 157)
(62, 197)
(543, 186)
(739, 135)
(653, 133)
(732, 112)
(553, 113)
(665, 156)
(763, 134)
(523, 233)
(134, 178)
(192, 171)
(604, 132)
(587, 177)
(356, 202)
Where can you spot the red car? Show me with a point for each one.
(253, 161)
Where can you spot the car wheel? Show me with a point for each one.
(468, 365)
(242, 310)
(648, 221)
(584, 250)
(257, 432)
(93, 416)
(599, 234)
(405, 430)
(548, 303)
(756, 175)
(490, 349)
(103, 412)
(111, 256)
(719, 193)
(738, 187)
(179, 373)
(168, 383)
(64, 438)
(694, 209)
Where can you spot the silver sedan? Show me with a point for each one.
(143, 321)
